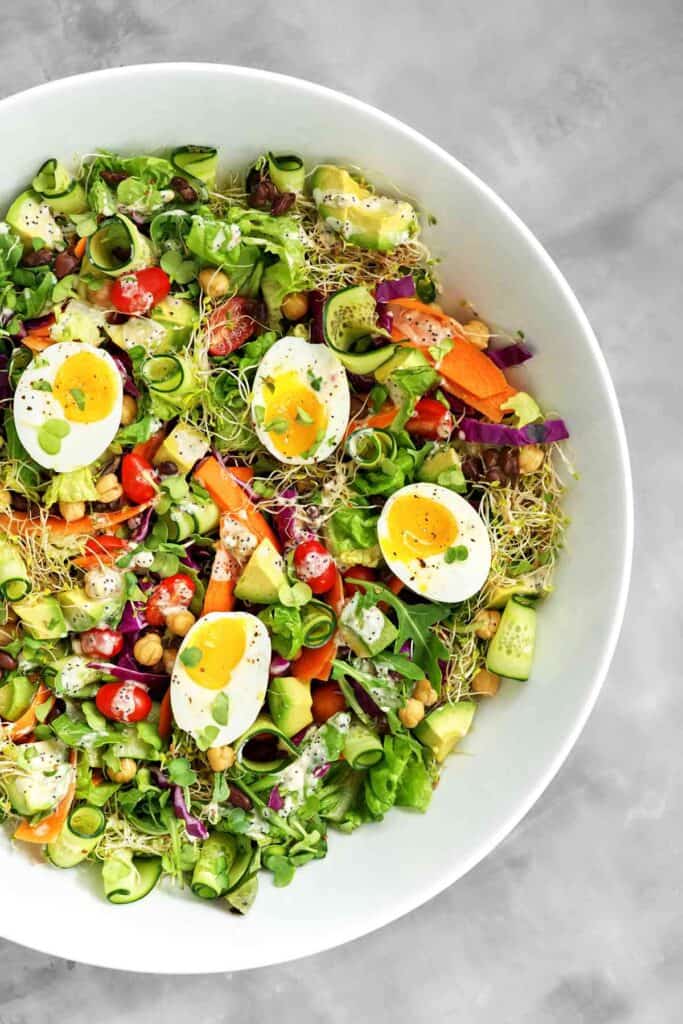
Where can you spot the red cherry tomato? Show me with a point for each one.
(431, 419)
(105, 544)
(123, 702)
(140, 290)
(357, 572)
(104, 643)
(314, 565)
(172, 594)
(327, 701)
(138, 478)
(230, 325)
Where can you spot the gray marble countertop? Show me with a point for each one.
(573, 113)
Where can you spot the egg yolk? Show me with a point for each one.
(294, 417)
(419, 527)
(86, 388)
(217, 647)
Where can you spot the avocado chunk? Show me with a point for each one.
(178, 316)
(262, 576)
(443, 467)
(184, 446)
(403, 359)
(32, 218)
(367, 631)
(442, 728)
(42, 617)
(81, 612)
(290, 703)
(42, 777)
(139, 331)
(501, 595)
(15, 697)
(358, 215)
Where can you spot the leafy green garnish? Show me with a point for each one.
(220, 709)
(180, 772)
(78, 396)
(458, 553)
(191, 656)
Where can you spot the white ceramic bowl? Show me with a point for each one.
(521, 739)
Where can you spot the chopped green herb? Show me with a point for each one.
(79, 397)
(303, 417)
(220, 709)
(191, 656)
(459, 553)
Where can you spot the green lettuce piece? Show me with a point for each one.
(219, 243)
(279, 279)
(401, 777)
(406, 387)
(78, 322)
(351, 536)
(78, 485)
(286, 629)
(524, 408)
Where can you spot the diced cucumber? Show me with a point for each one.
(511, 651)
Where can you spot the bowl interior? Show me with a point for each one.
(518, 742)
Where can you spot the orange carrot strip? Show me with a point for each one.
(37, 341)
(245, 474)
(26, 722)
(19, 523)
(231, 497)
(165, 723)
(471, 369)
(79, 248)
(47, 830)
(379, 421)
(490, 407)
(316, 663)
(220, 591)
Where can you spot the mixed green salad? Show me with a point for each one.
(272, 522)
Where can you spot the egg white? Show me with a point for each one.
(32, 408)
(433, 577)
(245, 687)
(310, 362)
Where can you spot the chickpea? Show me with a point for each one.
(477, 333)
(220, 758)
(103, 583)
(129, 410)
(486, 683)
(530, 459)
(126, 772)
(425, 692)
(148, 650)
(5, 498)
(412, 714)
(71, 510)
(486, 622)
(295, 305)
(168, 659)
(214, 283)
(101, 296)
(108, 488)
(179, 623)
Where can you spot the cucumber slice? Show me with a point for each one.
(118, 247)
(349, 321)
(264, 725)
(78, 837)
(242, 898)
(244, 853)
(287, 172)
(319, 623)
(59, 190)
(199, 162)
(511, 651)
(15, 698)
(370, 446)
(144, 875)
(163, 373)
(362, 747)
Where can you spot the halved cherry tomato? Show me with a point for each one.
(314, 565)
(431, 419)
(327, 701)
(140, 290)
(172, 594)
(123, 702)
(104, 643)
(231, 324)
(138, 478)
(357, 572)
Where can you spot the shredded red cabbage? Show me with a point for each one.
(288, 525)
(133, 618)
(366, 702)
(400, 288)
(385, 320)
(478, 432)
(39, 321)
(511, 355)
(195, 828)
(279, 666)
(297, 738)
(119, 672)
(321, 771)
(275, 801)
(159, 778)
(143, 527)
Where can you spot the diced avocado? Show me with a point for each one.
(42, 776)
(15, 697)
(82, 612)
(184, 446)
(359, 216)
(523, 588)
(262, 576)
(178, 316)
(442, 728)
(443, 467)
(290, 703)
(511, 651)
(31, 218)
(79, 321)
(74, 678)
(140, 331)
(403, 359)
(367, 631)
(42, 617)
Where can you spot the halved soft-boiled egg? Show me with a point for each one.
(220, 676)
(435, 542)
(300, 401)
(67, 405)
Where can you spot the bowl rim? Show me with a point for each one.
(428, 889)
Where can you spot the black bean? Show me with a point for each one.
(282, 203)
(510, 463)
(239, 799)
(37, 258)
(7, 662)
(167, 468)
(183, 189)
(491, 457)
(65, 263)
(113, 177)
(496, 476)
(471, 467)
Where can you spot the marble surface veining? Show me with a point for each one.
(572, 111)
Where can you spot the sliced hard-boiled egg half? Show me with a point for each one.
(220, 677)
(300, 401)
(67, 405)
(435, 542)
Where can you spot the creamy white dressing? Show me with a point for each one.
(298, 779)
